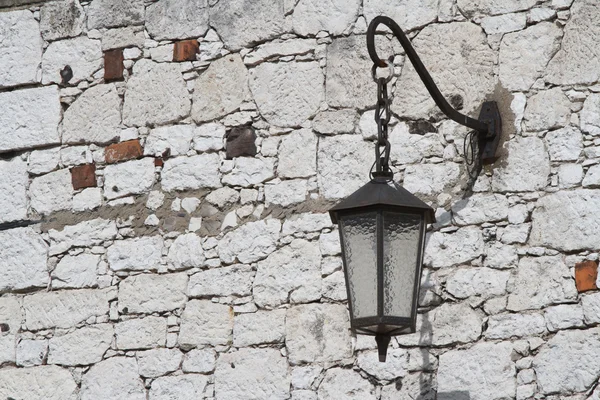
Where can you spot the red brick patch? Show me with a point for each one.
(123, 151)
(113, 65)
(185, 50)
(83, 176)
(585, 275)
(158, 162)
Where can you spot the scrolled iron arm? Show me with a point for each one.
(435, 93)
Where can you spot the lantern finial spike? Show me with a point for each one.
(383, 342)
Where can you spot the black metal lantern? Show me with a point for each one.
(382, 226)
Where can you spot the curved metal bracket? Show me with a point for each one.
(488, 125)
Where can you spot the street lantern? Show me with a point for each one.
(382, 226)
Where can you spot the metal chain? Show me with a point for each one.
(382, 118)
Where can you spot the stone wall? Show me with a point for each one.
(165, 173)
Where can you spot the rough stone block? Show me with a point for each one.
(11, 319)
(61, 19)
(586, 273)
(252, 374)
(112, 13)
(298, 155)
(78, 271)
(32, 126)
(345, 384)
(448, 249)
(248, 171)
(113, 379)
(113, 65)
(48, 382)
(235, 280)
(505, 326)
(84, 234)
(258, 328)
(150, 293)
(178, 387)
(83, 176)
(547, 109)
(431, 179)
(526, 168)
(20, 48)
(31, 352)
(195, 172)
(158, 362)
(82, 55)
(144, 333)
(175, 19)
(413, 13)
(185, 50)
(51, 192)
(241, 142)
(84, 346)
(204, 322)
(130, 177)
(135, 254)
(250, 242)
(13, 190)
(199, 360)
(312, 16)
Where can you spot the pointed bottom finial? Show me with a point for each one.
(383, 342)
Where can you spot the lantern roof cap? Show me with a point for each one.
(380, 192)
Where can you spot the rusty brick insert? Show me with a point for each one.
(585, 275)
(185, 50)
(123, 151)
(113, 65)
(83, 176)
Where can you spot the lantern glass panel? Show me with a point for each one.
(359, 238)
(401, 233)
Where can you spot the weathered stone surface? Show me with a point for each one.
(84, 234)
(343, 162)
(410, 148)
(414, 386)
(131, 177)
(22, 260)
(31, 352)
(113, 379)
(13, 190)
(111, 13)
(185, 387)
(64, 309)
(578, 60)
(277, 48)
(260, 19)
(512, 234)
(539, 282)
(345, 384)
(298, 155)
(158, 362)
(505, 326)
(553, 220)
(431, 179)
(31, 126)
(11, 318)
(591, 308)
(486, 372)
(335, 121)
(145, 333)
(43, 161)
(504, 23)
(94, 117)
(480, 282)
(317, 333)
(130, 36)
(590, 115)
(78, 271)
(570, 362)
(250, 242)
(150, 293)
(258, 328)
(47, 382)
(286, 193)
(546, 110)
(226, 281)
(564, 316)
(564, 144)
(186, 252)
(526, 168)
(480, 208)
(204, 322)
(287, 94)
(220, 89)
(448, 249)
(149, 101)
(173, 19)
(82, 347)
(308, 222)
(449, 66)
(83, 55)
(20, 48)
(61, 19)
(312, 16)
(252, 374)
(199, 360)
(500, 256)
(195, 172)
(347, 84)
(447, 324)
(409, 14)
(592, 177)
(51, 192)
(177, 139)
(518, 69)
(291, 274)
(248, 171)
(494, 7)
(394, 366)
(135, 254)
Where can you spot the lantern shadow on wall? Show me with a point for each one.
(382, 226)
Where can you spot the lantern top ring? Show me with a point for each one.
(390, 66)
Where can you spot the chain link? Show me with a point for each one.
(382, 118)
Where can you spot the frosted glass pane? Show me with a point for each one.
(400, 252)
(360, 246)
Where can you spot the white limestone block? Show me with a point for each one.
(258, 328)
(504, 23)
(83, 346)
(13, 190)
(78, 271)
(546, 110)
(564, 144)
(195, 172)
(111, 13)
(235, 280)
(505, 326)
(175, 19)
(113, 379)
(51, 192)
(48, 382)
(347, 384)
(250, 242)
(186, 252)
(150, 293)
(526, 168)
(20, 48)
(130, 177)
(61, 19)
(286, 193)
(10, 314)
(144, 333)
(31, 352)
(158, 362)
(431, 179)
(87, 199)
(494, 7)
(410, 148)
(199, 360)
(564, 316)
(84, 234)
(204, 322)
(409, 14)
(480, 208)
(312, 16)
(447, 249)
(298, 155)
(188, 386)
(590, 115)
(480, 282)
(23, 256)
(82, 54)
(135, 254)
(277, 48)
